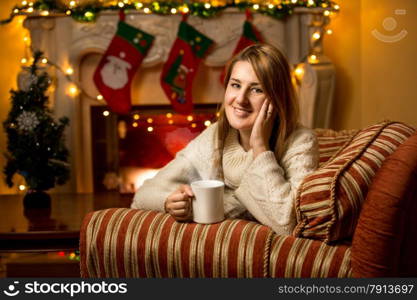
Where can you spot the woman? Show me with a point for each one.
(256, 147)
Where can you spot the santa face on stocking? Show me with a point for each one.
(115, 72)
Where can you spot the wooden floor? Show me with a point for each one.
(33, 229)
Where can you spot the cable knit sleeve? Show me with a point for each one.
(268, 190)
(183, 169)
(152, 194)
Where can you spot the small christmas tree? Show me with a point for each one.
(36, 148)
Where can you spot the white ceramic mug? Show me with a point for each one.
(208, 201)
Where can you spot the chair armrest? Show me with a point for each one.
(300, 257)
(121, 242)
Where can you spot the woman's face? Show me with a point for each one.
(244, 97)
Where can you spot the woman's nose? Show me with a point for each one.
(242, 97)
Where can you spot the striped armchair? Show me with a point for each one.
(362, 224)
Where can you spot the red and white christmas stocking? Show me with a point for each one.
(249, 36)
(181, 67)
(115, 71)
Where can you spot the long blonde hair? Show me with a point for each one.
(274, 73)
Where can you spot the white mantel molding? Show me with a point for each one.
(65, 42)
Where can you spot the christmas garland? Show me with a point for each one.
(89, 11)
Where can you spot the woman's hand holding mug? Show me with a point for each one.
(178, 203)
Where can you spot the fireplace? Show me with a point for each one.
(128, 149)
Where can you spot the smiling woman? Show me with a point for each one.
(256, 147)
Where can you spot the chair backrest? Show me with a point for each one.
(385, 239)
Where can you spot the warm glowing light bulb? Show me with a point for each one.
(26, 39)
(24, 3)
(217, 114)
(136, 117)
(126, 1)
(121, 4)
(15, 11)
(299, 72)
(30, 10)
(68, 12)
(190, 118)
(73, 91)
(185, 10)
(22, 187)
(173, 11)
(44, 13)
(169, 115)
(100, 97)
(271, 6)
(207, 123)
(329, 31)
(316, 35)
(149, 120)
(146, 10)
(171, 122)
(312, 59)
(256, 6)
(135, 124)
(327, 13)
(139, 5)
(207, 5)
(72, 3)
(150, 128)
(310, 2)
(69, 71)
(88, 14)
(294, 1)
(44, 60)
(106, 113)
(193, 125)
(336, 7)
(24, 60)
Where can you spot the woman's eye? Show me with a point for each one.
(257, 90)
(235, 85)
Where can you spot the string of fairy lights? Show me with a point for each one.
(87, 11)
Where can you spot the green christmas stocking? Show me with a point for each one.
(181, 67)
(114, 74)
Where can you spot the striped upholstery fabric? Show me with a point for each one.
(330, 199)
(124, 242)
(331, 141)
(298, 257)
(134, 243)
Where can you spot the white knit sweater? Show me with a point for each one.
(262, 186)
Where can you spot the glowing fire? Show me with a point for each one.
(133, 178)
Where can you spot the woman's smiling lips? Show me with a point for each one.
(241, 112)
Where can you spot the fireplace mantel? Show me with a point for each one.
(66, 42)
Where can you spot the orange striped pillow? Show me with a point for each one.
(331, 141)
(330, 199)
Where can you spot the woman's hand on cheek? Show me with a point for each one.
(261, 130)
